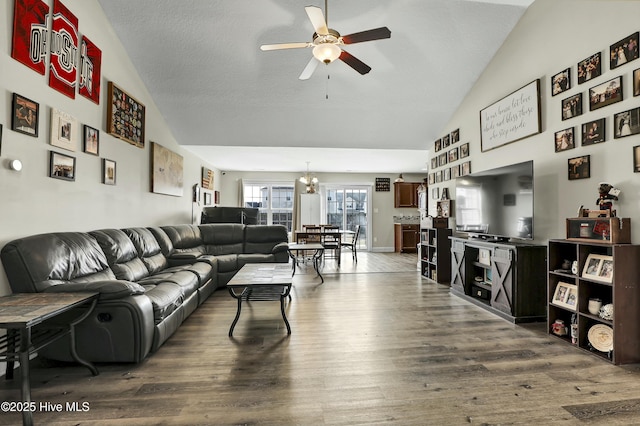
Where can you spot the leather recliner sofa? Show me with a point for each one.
(149, 279)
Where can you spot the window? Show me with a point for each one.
(274, 201)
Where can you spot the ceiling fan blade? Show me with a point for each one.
(284, 46)
(374, 34)
(317, 20)
(307, 72)
(354, 62)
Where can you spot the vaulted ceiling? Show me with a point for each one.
(240, 108)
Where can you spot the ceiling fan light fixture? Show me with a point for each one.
(326, 52)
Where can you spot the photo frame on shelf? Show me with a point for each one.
(25, 115)
(444, 208)
(606, 93)
(636, 159)
(108, 172)
(565, 295)
(590, 68)
(91, 139)
(623, 51)
(579, 167)
(64, 130)
(561, 82)
(626, 123)
(62, 166)
(572, 106)
(636, 82)
(564, 140)
(598, 267)
(593, 132)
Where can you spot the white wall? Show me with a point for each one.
(382, 202)
(34, 203)
(551, 36)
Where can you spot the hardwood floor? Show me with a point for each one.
(380, 346)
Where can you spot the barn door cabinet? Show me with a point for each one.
(507, 279)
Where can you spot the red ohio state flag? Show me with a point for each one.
(90, 62)
(63, 69)
(30, 34)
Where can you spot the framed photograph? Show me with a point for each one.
(623, 51)
(167, 171)
(500, 125)
(561, 82)
(572, 106)
(432, 178)
(207, 178)
(62, 166)
(108, 172)
(207, 198)
(91, 140)
(447, 174)
(445, 141)
(564, 140)
(589, 68)
(580, 167)
(444, 208)
(453, 155)
(442, 159)
(455, 136)
(636, 82)
(598, 267)
(216, 197)
(24, 117)
(125, 116)
(434, 163)
(465, 168)
(437, 145)
(606, 93)
(435, 193)
(565, 295)
(593, 132)
(196, 193)
(64, 130)
(455, 171)
(439, 176)
(636, 159)
(626, 123)
(464, 150)
(382, 184)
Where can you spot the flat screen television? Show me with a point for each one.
(496, 204)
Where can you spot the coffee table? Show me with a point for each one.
(34, 320)
(318, 250)
(261, 282)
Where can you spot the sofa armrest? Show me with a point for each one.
(280, 247)
(108, 289)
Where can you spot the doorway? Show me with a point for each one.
(348, 206)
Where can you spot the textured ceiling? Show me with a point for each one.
(240, 108)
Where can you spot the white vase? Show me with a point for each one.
(594, 306)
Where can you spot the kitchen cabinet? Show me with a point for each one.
(406, 194)
(406, 237)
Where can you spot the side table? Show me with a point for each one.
(316, 257)
(34, 320)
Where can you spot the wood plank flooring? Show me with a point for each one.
(374, 344)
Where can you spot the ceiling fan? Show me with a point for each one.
(326, 43)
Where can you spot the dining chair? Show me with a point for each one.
(352, 243)
(331, 241)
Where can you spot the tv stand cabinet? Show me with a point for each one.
(506, 278)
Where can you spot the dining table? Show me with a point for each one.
(321, 236)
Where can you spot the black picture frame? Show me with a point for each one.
(437, 145)
(590, 68)
(90, 140)
(594, 132)
(455, 136)
(443, 159)
(564, 140)
(0, 140)
(572, 106)
(464, 150)
(453, 155)
(561, 82)
(108, 172)
(207, 198)
(434, 163)
(636, 159)
(445, 141)
(636, 82)
(605, 94)
(25, 115)
(579, 167)
(626, 123)
(62, 166)
(623, 51)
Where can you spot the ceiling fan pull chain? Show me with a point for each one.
(327, 91)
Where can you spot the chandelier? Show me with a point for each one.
(309, 181)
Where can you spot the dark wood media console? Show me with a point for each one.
(508, 279)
